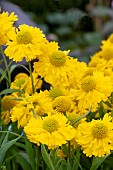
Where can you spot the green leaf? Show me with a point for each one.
(4, 142)
(97, 161)
(5, 139)
(21, 160)
(7, 91)
(24, 67)
(47, 158)
(76, 163)
(5, 147)
(30, 152)
(68, 165)
(12, 68)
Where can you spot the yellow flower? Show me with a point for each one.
(21, 114)
(7, 103)
(20, 82)
(96, 137)
(51, 130)
(23, 82)
(25, 42)
(92, 90)
(28, 107)
(107, 49)
(55, 65)
(62, 104)
(6, 25)
(97, 61)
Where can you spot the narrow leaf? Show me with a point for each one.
(21, 160)
(5, 147)
(97, 161)
(7, 91)
(5, 139)
(30, 152)
(47, 158)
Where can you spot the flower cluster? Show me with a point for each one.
(56, 116)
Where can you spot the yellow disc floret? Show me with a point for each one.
(88, 84)
(50, 124)
(99, 130)
(55, 92)
(58, 58)
(61, 104)
(24, 37)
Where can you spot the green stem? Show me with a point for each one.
(6, 65)
(69, 151)
(32, 81)
(4, 73)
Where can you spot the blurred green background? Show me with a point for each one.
(78, 25)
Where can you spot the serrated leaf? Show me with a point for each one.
(47, 158)
(97, 161)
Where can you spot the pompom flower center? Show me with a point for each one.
(24, 37)
(55, 92)
(61, 104)
(58, 58)
(50, 124)
(99, 130)
(88, 84)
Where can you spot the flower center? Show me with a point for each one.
(99, 130)
(58, 58)
(55, 92)
(88, 84)
(50, 124)
(24, 37)
(61, 104)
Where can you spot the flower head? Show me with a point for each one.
(25, 42)
(95, 137)
(51, 130)
(6, 25)
(92, 90)
(55, 65)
